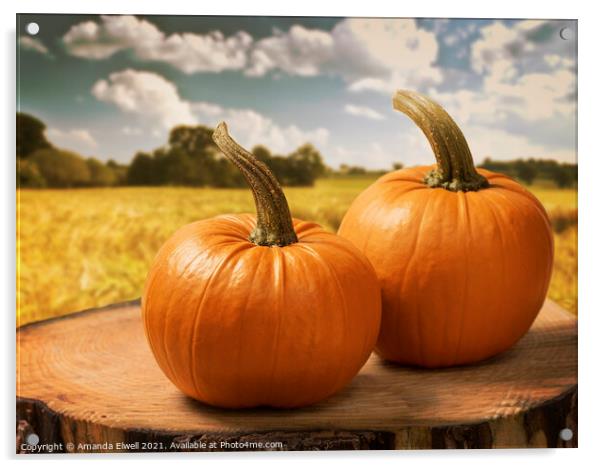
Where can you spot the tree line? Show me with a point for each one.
(564, 175)
(191, 158)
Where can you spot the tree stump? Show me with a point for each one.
(87, 382)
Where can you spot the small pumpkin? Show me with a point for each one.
(242, 310)
(463, 255)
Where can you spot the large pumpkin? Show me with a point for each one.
(463, 255)
(245, 311)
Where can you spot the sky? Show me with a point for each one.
(109, 86)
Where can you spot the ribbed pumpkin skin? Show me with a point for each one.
(238, 325)
(463, 274)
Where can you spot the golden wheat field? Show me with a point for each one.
(83, 248)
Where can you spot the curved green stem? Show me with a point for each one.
(455, 166)
(274, 222)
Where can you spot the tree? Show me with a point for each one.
(562, 177)
(120, 171)
(525, 171)
(30, 135)
(142, 170)
(193, 155)
(192, 158)
(262, 153)
(397, 166)
(193, 140)
(310, 157)
(357, 170)
(301, 167)
(227, 175)
(28, 174)
(183, 169)
(352, 170)
(61, 168)
(101, 175)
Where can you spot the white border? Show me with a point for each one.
(590, 237)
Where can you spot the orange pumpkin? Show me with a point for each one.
(244, 311)
(463, 255)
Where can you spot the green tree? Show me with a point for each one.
(193, 140)
(564, 175)
(193, 155)
(310, 157)
(182, 168)
(227, 175)
(61, 168)
(526, 171)
(262, 153)
(30, 135)
(301, 167)
(561, 176)
(142, 170)
(28, 174)
(192, 158)
(281, 167)
(101, 175)
(120, 171)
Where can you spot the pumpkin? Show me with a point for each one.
(463, 255)
(243, 311)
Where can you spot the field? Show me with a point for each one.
(90, 247)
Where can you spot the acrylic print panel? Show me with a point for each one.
(270, 233)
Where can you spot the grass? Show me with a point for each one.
(89, 247)
(561, 205)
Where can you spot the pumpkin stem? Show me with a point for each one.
(274, 222)
(455, 166)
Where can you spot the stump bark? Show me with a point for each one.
(87, 382)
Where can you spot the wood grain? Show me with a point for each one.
(90, 378)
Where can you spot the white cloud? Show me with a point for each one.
(380, 48)
(517, 79)
(532, 97)
(89, 40)
(147, 95)
(557, 61)
(409, 146)
(536, 96)
(75, 138)
(299, 51)
(361, 111)
(189, 52)
(484, 131)
(451, 39)
(131, 131)
(497, 47)
(440, 25)
(155, 101)
(523, 86)
(380, 154)
(503, 145)
(207, 108)
(369, 54)
(251, 128)
(526, 46)
(519, 76)
(31, 43)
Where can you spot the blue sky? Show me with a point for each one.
(108, 86)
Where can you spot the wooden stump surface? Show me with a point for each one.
(90, 378)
